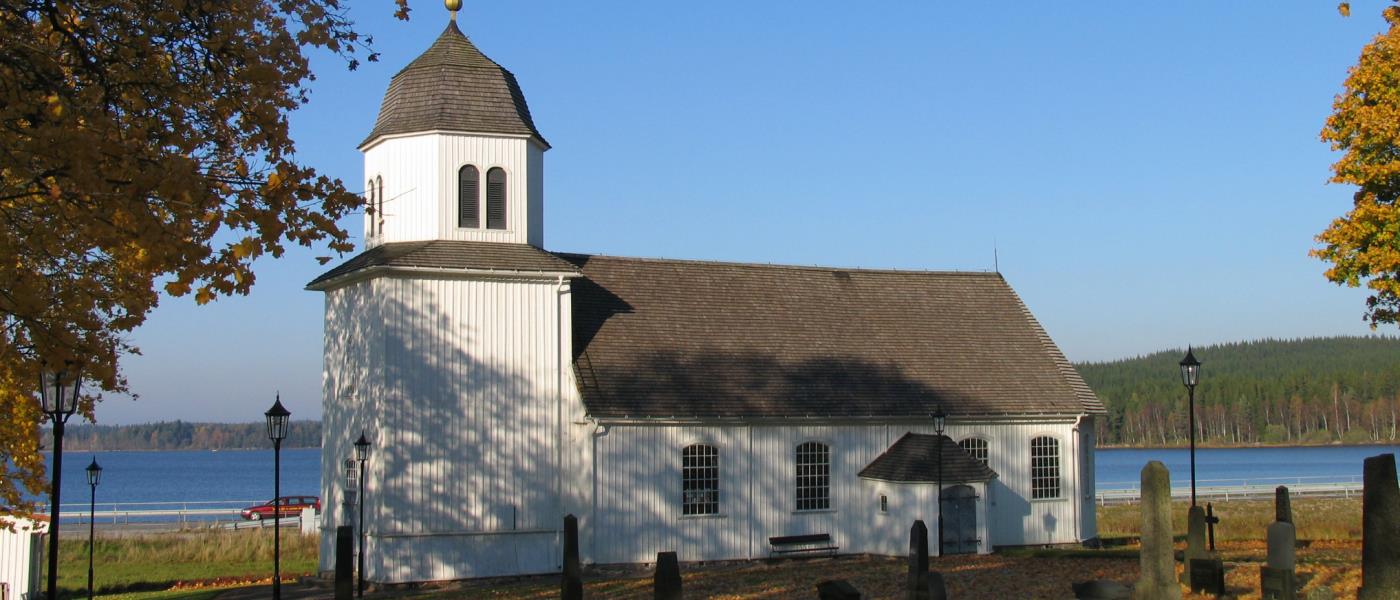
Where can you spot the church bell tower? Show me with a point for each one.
(454, 154)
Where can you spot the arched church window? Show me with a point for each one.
(699, 480)
(468, 197)
(813, 476)
(496, 198)
(1045, 468)
(976, 448)
(371, 212)
(379, 195)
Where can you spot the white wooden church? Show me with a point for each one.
(700, 407)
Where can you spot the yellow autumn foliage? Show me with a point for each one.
(145, 148)
(1363, 246)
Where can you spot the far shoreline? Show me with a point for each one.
(1243, 446)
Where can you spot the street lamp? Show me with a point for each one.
(939, 420)
(362, 454)
(1190, 372)
(58, 397)
(277, 417)
(94, 473)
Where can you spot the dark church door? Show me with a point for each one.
(959, 520)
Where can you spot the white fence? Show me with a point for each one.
(118, 513)
(1224, 490)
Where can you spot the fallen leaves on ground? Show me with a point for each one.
(1041, 574)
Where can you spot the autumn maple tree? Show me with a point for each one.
(1364, 244)
(144, 148)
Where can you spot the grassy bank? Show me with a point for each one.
(1315, 519)
(156, 562)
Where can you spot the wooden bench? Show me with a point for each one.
(791, 544)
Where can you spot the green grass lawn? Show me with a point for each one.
(136, 566)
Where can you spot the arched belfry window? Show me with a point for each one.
(496, 198)
(371, 211)
(468, 197)
(379, 197)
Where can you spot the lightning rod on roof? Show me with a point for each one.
(996, 260)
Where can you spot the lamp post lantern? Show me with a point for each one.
(1190, 373)
(58, 397)
(361, 455)
(94, 474)
(277, 418)
(939, 420)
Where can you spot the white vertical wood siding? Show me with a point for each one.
(522, 161)
(639, 483)
(20, 553)
(420, 187)
(465, 482)
(410, 168)
(347, 385)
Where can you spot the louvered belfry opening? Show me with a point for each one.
(468, 197)
(496, 198)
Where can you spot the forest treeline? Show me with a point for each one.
(1303, 391)
(179, 435)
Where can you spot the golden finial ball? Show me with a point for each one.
(453, 5)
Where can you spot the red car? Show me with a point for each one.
(289, 506)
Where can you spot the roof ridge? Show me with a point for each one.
(757, 265)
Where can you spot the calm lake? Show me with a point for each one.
(246, 475)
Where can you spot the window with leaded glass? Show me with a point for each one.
(699, 480)
(813, 476)
(1045, 468)
(976, 448)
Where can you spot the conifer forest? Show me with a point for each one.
(1303, 391)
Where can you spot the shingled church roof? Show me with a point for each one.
(691, 339)
(915, 458)
(453, 87)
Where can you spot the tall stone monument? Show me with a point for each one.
(571, 588)
(917, 584)
(1283, 509)
(1380, 530)
(1158, 568)
(666, 583)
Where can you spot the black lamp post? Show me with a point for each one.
(361, 455)
(939, 419)
(58, 397)
(1190, 371)
(277, 418)
(94, 473)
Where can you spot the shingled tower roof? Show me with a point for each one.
(454, 87)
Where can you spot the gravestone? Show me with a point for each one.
(1283, 509)
(1282, 539)
(666, 584)
(344, 562)
(1277, 584)
(839, 589)
(917, 584)
(1157, 580)
(1380, 530)
(571, 588)
(1207, 575)
(937, 590)
(1195, 541)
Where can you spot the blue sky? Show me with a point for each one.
(1149, 174)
